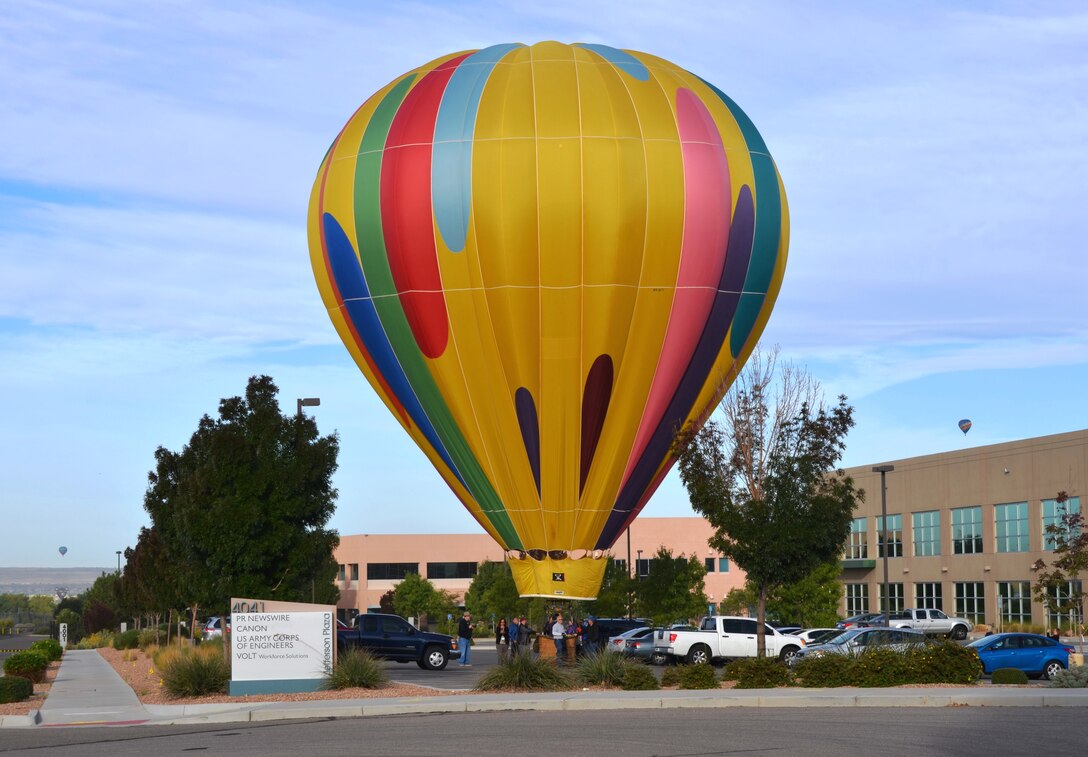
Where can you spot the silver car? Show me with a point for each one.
(619, 643)
(857, 640)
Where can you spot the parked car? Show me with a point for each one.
(1034, 654)
(857, 640)
(609, 627)
(864, 620)
(213, 628)
(724, 637)
(640, 646)
(618, 643)
(391, 637)
(791, 630)
(816, 635)
(931, 623)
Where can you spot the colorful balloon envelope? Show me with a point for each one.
(546, 260)
(965, 426)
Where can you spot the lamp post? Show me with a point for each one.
(883, 470)
(118, 561)
(308, 402)
(638, 565)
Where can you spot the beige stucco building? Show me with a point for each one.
(372, 564)
(964, 528)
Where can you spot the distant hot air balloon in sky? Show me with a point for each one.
(965, 426)
(546, 260)
(63, 551)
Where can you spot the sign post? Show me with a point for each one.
(280, 647)
(62, 632)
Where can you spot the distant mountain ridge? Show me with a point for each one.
(48, 580)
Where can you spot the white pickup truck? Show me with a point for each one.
(931, 623)
(723, 637)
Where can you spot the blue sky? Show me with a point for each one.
(157, 160)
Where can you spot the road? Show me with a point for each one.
(964, 731)
(10, 643)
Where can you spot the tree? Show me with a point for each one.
(242, 509)
(493, 592)
(672, 590)
(811, 602)
(764, 477)
(1058, 586)
(415, 596)
(617, 594)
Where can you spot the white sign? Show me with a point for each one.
(63, 634)
(278, 646)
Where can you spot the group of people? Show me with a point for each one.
(514, 636)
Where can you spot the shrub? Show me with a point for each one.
(15, 689)
(195, 672)
(96, 640)
(356, 669)
(943, 662)
(523, 672)
(700, 676)
(51, 648)
(126, 640)
(1009, 675)
(758, 673)
(29, 664)
(638, 678)
(605, 668)
(671, 676)
(1074, 678)
(150, 637)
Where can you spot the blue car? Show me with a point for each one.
(1034, 654)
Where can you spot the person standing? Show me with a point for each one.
(502, 640)
(464, 638)
(514, 635)
(591, 635)
(558, 636)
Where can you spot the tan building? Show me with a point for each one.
(372, 564)
(964, 529)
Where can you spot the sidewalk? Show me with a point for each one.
(87, 691)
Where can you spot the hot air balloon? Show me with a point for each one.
(965, 426)
(546, 260)
(63, 551)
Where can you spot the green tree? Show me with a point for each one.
(101, 604)
(1053, 582)
(147, 581)
(673, 589)
(242, 509)
(415, 597)
(812, 602)
(41, 604)
(617, 595)
(493, 592)
(765, 478)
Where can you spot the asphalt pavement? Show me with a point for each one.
(87, 691)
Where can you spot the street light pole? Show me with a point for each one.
(308, 402)
(118, 561)
(883, 470)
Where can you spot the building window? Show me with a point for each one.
(709, 562)
(642, 566)
(859, 540)
(390, 571)
(342, 574)
(894, 533)
(857, 598)
(1059, 607)
(971, 601)
(451, 570)
(621, 566)
(927, 533)
(723, 564)
(354, 571)
(967, 531)
(1012, 527)
(1014, 601)
(1052, 516)
(895, 592)
(928, 596)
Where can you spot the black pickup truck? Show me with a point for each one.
(391, 637)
